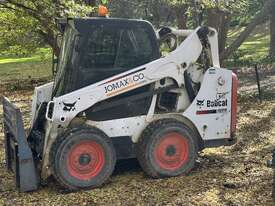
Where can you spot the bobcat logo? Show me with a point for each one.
(69, 107)
(200, 103)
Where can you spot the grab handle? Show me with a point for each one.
(49, 113)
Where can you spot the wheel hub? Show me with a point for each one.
(84, 159)
(172, 151)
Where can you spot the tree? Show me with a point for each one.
(219, 15)
(18, 33)
(181, 13)
(258, 19)
(43, 14)
(220, 20)
(158, 12)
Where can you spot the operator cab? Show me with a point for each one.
(94, 49)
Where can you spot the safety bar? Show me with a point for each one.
(182, 32)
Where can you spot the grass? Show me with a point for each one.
(19, 60)
(24, 70)
(41, 54)
(34, 67)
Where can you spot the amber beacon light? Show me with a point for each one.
(102, 11)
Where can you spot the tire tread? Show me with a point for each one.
(145, 140)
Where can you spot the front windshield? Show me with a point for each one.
(108, 48)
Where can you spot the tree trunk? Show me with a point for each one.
(181, 16)
(219, 20)
(51, 40)
(156, 14)
(196, 13)
(272, 30)
(258, 19)
(224, 33)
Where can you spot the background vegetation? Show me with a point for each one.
(26, 26)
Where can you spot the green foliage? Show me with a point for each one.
(104, 1)
(18, 34)
(73, 9)
(243, 15)
(30, 24)
(232, 6)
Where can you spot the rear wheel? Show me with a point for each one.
(83, 159)
(167, 148)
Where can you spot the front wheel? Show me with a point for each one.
(167, 148)
(83, 159)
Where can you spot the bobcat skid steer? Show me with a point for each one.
(114, 97)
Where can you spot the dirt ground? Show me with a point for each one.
(234, 175)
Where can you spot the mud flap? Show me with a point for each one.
(19, 157)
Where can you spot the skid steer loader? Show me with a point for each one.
(114, 97)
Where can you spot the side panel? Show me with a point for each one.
(41, 94)
(131, 127)
(211, 109)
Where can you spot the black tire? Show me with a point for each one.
(82, 159)
(167, 148)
